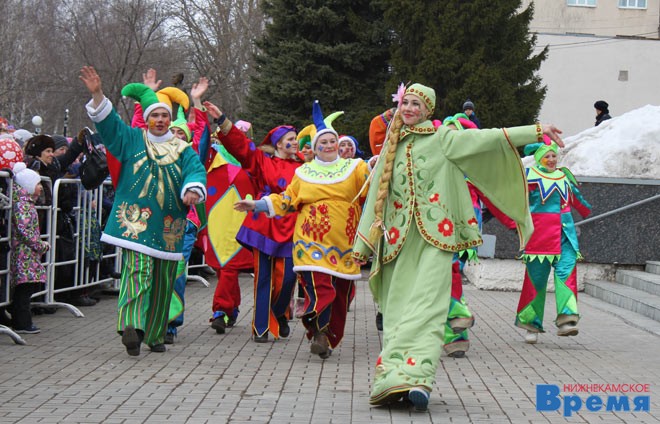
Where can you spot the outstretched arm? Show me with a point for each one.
(245, 205)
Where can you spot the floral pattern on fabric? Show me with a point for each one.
(317, 223)
(351, 223)
(27, 246)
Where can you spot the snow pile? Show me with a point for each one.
(627, 146)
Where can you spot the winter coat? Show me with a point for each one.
(27, 248)
(602, 117)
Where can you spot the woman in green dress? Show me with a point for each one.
(417, 215)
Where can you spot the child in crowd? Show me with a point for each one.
(27, 272)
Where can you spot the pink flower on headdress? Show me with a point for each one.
(398, 96)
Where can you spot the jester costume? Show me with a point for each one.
(269, 239)
(227, 184)
(325, 194)
(427, 217)
(552, 196)
(148, 217)
(197, 132)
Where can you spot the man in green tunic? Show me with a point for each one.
(160, 177)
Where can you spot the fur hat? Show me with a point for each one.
(150, 100)
(468, 105)
(26, 178)
(425, 94)
(38, 144)
(602, 106)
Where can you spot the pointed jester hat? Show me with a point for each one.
(308, 134)
(182, 124)
(150, 100)
(321, 125)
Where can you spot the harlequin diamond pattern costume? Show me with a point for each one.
(552, 196)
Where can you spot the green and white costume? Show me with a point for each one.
(148, 216)
(427, 216)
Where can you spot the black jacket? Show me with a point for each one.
(602, 117)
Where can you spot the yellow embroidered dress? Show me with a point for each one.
(323, 193)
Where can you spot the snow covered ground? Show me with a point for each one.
(626, 146)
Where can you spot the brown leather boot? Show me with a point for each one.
(321, 345)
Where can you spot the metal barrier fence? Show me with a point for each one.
(5, 253)
(86, 213)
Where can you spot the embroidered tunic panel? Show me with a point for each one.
(428, 187)
(148, 214)
(323, 195)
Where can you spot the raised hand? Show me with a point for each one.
(91, 79)
(199, 88)
(149, 79)
(212, 110)
(553, 132)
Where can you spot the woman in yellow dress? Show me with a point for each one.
(326, 193)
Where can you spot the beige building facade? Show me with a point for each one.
(598, 50)
(628, 18)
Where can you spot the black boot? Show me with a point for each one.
(132, 339)
(284, 326)
(20, 313)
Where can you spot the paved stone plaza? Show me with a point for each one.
(77, 370)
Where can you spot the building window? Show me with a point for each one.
(582, 3)
(632, 4)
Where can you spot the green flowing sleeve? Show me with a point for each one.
(490, 160)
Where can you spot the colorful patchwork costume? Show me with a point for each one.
(270, 239)
(227, 183)
(324, 194)
(552, 196)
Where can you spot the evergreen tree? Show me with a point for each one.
(334, 51)
(477, 49)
